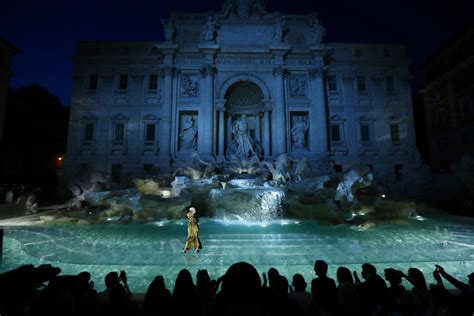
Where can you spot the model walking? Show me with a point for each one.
(193, 240)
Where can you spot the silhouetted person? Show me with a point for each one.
(373, 291)
(348, 302)
(323, 288)
(299, 294)
(282, 305)
(185, 299)
(420, 290)
(240, 292)
(116, 298)
(463, 302)
(158, 298)
(398, 299)
(268, 290)
(205, 291)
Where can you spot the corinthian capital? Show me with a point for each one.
(208, 70)
(280, 71)
(315, 72)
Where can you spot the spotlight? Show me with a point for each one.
(383, 196)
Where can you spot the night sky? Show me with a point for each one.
(47, 31)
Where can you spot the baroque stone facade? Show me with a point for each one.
(240, 82)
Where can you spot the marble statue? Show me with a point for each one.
(242, 145)
(317, 32)
(298, 133)
(188, 135)
(281, 30)
(189, 87)
(9, 197)
(256, 8)
(230, 8)
(169, 29)
(301, 165)
(210, 30)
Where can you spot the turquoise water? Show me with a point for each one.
(147, 250)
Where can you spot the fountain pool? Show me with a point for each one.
(146, 250)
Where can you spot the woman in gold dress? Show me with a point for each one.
(193, 240)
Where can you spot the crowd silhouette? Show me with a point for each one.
(41, 290)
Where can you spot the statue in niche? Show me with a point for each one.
(281, 30)
(210, 30)
(188, 135)
(230, 8)
(169, 29)
(242, 145)
(189, 87)
(297, 87)
(317, 32)
(298, 133)
(256, 8)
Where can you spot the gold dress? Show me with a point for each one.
(193, 240)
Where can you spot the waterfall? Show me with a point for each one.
(255, 204)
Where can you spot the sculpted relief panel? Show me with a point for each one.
(189, 86)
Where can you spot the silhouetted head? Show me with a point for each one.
(368, 270)
(156, 287)
(344, 275)
(321, 268)
(418, 278)
(393, 276)
(202, 278)
(470, 277)
(184, 285)
(299, 283)
(111, 279)
(241, 283)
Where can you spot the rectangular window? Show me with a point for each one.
(335, 133)
(397, 171)
(394, 133)
(338, 168)
(466, 107)
(389, 85)
(153, 82)
(89, 131)
(361, 84)
(332, 84)
(364, 133)
(116, 173)
(123, 82)
(93, 80)
(150, 132)
(147, 167)
(119, 132)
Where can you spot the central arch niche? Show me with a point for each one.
(244, 102)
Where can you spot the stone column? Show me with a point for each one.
(266, 132)
(206, 127)
(165, 139)
(318, 135)
(221, 131)
(352, 125)
(381, 126)
(279, 114)
(258, 135)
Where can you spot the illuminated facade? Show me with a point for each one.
(241, 82)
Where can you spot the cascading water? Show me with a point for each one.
(253, 205)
